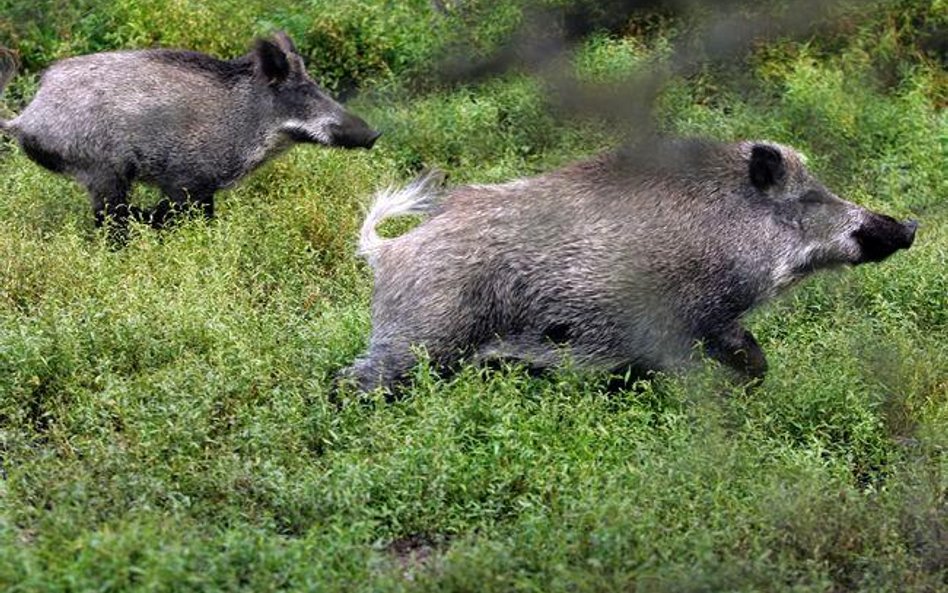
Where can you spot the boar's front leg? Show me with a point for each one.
(180, 201)
(737, 348)
(109, 196)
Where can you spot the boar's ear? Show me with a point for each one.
(271, 61)
(767, 168)
(284, 42)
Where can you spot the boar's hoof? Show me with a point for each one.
(738, 350)
(362, 378)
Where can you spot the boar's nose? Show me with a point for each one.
(354, 133)
(910, 227)
(358, 138)
(370, 141)
(880, 236)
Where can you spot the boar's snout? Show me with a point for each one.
(353, 132)
(880, 236)
(370, 142)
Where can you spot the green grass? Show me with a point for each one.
(164, 413)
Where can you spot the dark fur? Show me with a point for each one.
(46, 158)
(229, 72)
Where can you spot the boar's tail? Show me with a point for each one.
(418, 197)
(8, 63)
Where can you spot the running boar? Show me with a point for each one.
(183, 121)
(623, 262)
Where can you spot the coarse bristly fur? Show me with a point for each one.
(418, 197)
(183, 121)
(623, 261)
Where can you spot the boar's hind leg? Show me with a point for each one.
(738, 349)
(381, 366)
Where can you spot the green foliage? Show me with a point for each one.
(492, 132)
(165, 419)
(356, 43)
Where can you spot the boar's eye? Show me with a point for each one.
(812, 197)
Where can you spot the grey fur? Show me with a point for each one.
(185, 122)
(624, 261)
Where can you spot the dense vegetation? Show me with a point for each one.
(164, 413)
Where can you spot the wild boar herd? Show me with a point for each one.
(622, 262)
(183, 121)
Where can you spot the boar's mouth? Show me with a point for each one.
(302, 135)
(335, 138)
(880, 236)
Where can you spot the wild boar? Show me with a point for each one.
(622, 262)
(183, 121)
